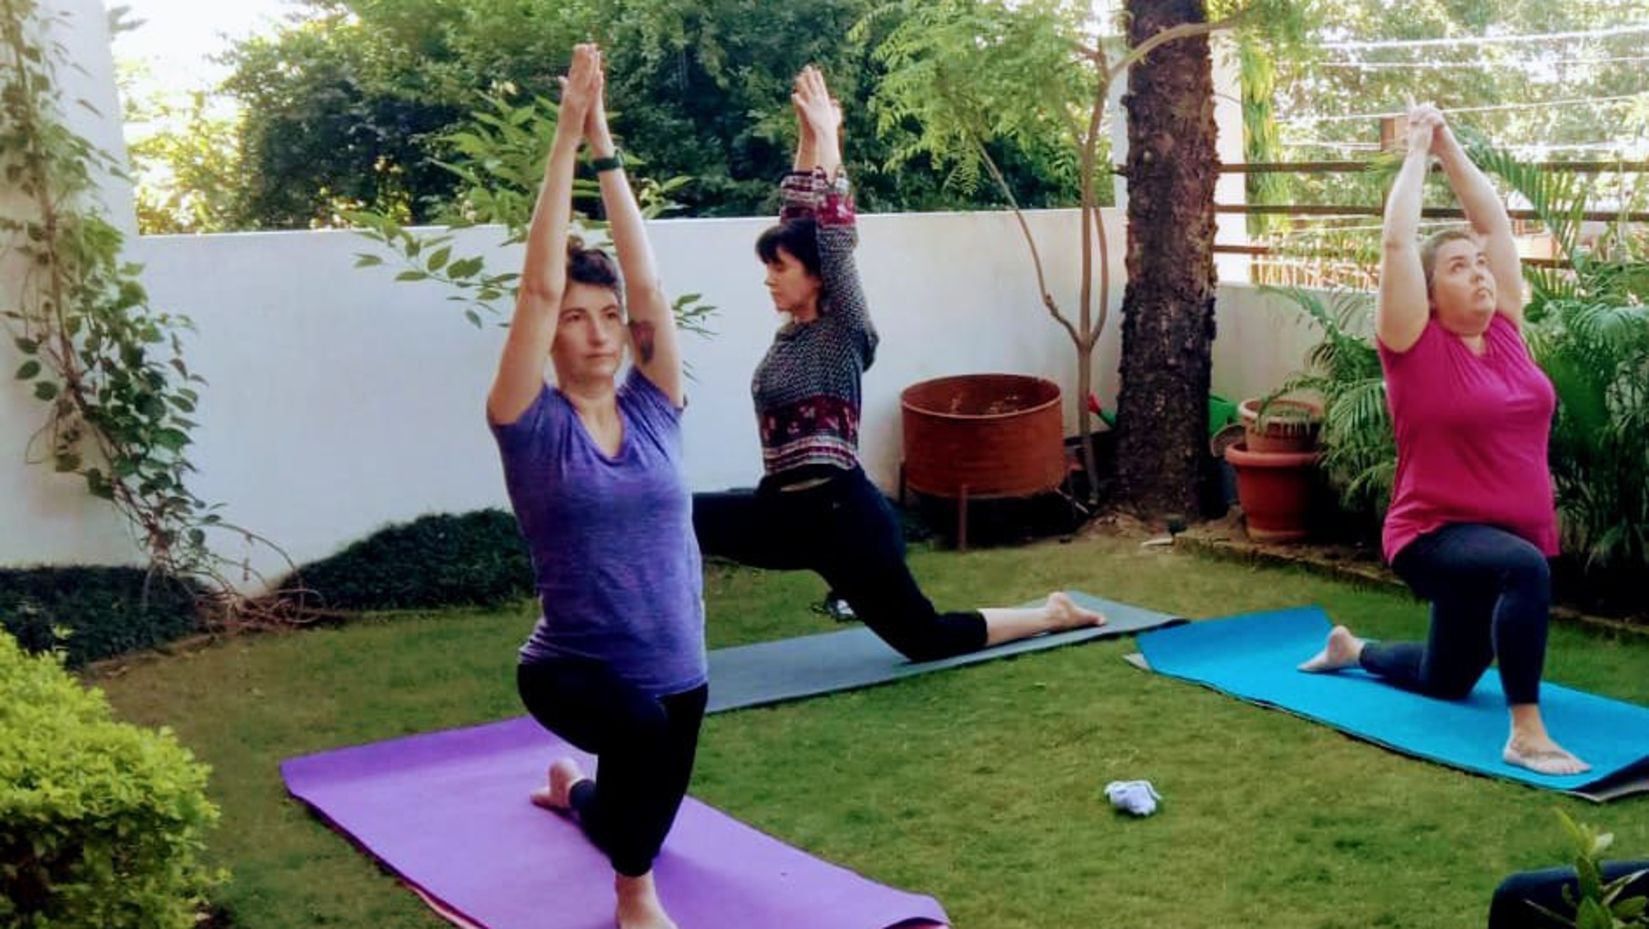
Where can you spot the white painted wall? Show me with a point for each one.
(84, 31)
(1260, 340)
(340, 400)
(45, 517)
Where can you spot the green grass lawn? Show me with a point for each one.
(981, 786)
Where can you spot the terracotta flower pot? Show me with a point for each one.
(1287, 426)
(1274, 490)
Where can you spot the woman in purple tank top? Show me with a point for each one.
(1472, 519)
(616, 664)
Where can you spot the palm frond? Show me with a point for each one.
(1557, 197)
(1344, 369)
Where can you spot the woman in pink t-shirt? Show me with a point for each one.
(1472, 519)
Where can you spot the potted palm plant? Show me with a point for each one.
(1275, 461)
(1280, 424)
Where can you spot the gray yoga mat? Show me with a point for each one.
(791, 669)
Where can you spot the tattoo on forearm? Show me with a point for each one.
(642, 333)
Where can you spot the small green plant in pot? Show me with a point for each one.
(1280, 424)
(1359, 452)
(1599, 904)
(1275, 465)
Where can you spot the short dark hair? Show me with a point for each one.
(594, 267)
(799, 238)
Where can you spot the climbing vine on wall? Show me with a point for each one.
(108, 368)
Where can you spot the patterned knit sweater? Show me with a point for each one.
(807, 387)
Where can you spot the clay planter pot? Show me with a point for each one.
(982, 436)
(1274, 490)
(1286, 426)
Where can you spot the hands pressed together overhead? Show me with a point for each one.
(583, 96)
(1427, 128)
(818, 114)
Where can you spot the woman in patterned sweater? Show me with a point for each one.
(815, 509)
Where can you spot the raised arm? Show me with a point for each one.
(802, 191)
(838, 232)
(520, 376)
(806, 144)
(821, 119)
(1488, 218)
(652, 324)
(1403, 309)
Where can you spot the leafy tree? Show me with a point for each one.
(348, 109)
(1320, 90)
(959, 70)
(185, 168)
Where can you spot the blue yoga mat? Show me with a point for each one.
(1253, 657)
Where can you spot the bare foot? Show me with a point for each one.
(1541, 755)
(1341, 651)
(638, 905)
(1065, 613)
(557, 793)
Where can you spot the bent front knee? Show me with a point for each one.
(1528, 572)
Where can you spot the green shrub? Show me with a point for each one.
(470, 559)
(1597, 356)
(92, 613)
(101, 822)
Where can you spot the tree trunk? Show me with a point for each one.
(1168, 306)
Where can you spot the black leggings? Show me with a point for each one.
(1491, 594)
(845, 531)
(1511, 909)
(645, 746)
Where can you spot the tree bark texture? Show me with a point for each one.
(1168, 306)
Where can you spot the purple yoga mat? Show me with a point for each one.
(448, 812)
